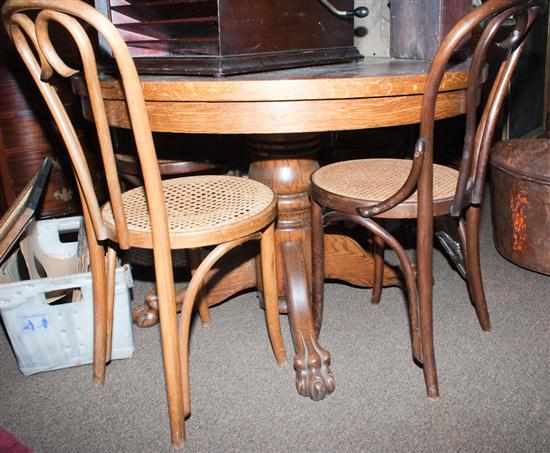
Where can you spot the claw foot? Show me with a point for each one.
(313, 376)
(147, 315)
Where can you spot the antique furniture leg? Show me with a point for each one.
(378, 255)
(110, 268)
(194, 256)
(268, 271)
(381, 237)
(313, 376)
(318, 268)
(170, 347)
(272, 317)
(285, 163)
(384, 237)
(424, 244)
(99, 287)
(473, 267)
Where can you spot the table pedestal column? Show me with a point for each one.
(285, 163)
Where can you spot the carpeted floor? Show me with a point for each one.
(495, 388)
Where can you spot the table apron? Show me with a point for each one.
(283, 116)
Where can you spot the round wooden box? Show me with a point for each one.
(520, 174)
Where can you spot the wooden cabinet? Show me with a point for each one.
(220, 37)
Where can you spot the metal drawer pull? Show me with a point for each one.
(360, 11)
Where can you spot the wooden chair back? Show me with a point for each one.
(481, 121)
(27, 22)
(480, 128)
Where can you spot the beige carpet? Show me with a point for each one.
(495, 388)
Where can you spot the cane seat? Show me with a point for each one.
(202, 210)
(366, 182)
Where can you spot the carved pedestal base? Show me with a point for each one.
(285, 163)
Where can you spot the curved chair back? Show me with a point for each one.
(480, 122)
(27, 22)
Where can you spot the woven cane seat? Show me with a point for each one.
(202, 210)
(366, 182)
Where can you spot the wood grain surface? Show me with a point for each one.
(377, 92)
(371, 77)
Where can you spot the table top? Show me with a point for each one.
(374, 92)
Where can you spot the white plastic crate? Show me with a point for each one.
(47, 337)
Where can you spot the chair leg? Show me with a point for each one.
(318, 265)
(99, 288)
(170, 346)
(406, 267)
(473, 267)
(110, 299)
(271, 301)
(187, 311)
(425, 287)
(195, 260)
(410, 282)
(378, 277)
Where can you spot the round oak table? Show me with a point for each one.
(284, 112)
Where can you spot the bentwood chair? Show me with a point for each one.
(179, 213)
(365, 190)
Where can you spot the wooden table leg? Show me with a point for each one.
(285, 163)
(311, 362)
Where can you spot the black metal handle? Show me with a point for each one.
(360, 11)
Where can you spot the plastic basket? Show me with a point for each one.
(46, 336)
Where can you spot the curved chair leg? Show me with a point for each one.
(406, 266)
(110, 266)
(187, 310)
(170, 346)
(473, 267)
(271, 300)
(194, 256)
(378, 278)
(99, 288)
(318, 265)
(410, 282)
(424, 253)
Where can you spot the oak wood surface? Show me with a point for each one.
(371, 77)
(377, 92)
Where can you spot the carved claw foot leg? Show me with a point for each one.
(146, 314)
(313, 376)
(311, 362)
